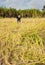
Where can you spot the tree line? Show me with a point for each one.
(11, 12)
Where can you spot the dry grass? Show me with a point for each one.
(22, 43)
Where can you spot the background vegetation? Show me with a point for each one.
(11, 12)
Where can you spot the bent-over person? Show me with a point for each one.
(19, 18)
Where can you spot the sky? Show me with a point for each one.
(23, 4)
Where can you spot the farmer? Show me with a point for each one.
(18, 18)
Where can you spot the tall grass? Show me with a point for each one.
(22, 43)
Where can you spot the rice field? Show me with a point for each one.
(22, 43)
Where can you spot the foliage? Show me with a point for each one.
(11, 12)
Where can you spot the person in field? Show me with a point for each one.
(19, 18)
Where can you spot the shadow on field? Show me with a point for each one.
(39, 64)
